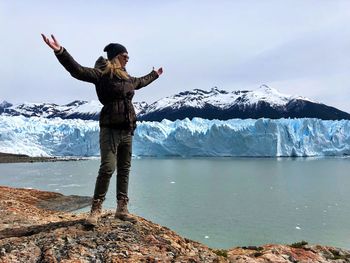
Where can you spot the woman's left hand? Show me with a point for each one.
(159, 71)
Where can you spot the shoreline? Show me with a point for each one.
(22, 158)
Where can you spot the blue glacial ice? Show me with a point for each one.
(186, 138)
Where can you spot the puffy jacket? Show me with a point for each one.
(114, 93)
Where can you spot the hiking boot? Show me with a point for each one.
(95, 213)
(122, 212)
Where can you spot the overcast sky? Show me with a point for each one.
(297, 47)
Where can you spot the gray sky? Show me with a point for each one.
(299, 47)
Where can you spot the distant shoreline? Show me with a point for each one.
(22, 158)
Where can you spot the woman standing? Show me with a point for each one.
(115, 89)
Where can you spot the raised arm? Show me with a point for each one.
(145, 80)
(74, 68)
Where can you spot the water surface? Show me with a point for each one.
(222, 202)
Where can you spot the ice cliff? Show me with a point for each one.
(197, 137)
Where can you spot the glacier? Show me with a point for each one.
(263, 137)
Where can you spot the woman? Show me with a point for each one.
(115, 90)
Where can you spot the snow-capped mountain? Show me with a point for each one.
(4, 105)
(265, 102)
(83, 110)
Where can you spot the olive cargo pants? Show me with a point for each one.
(116, 148)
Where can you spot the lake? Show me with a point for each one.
(222, 202)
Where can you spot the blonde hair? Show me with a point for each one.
(114, 67)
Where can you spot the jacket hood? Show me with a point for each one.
(101, 63)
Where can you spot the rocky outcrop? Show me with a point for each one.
(29, 233)
(298, 252)
(30, 207)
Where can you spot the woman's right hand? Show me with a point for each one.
(52, 43)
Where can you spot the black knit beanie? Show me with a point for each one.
(114, 49)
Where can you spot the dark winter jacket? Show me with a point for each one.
(114, 93)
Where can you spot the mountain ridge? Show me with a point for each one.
(264, 102)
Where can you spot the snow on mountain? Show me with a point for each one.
(269, 95)
(197, 137)
(140, 107)
(4, 105)
(81, 110)
(220, 98)
(75, 110)
(265, 102)
(91, 107)
(85, 110)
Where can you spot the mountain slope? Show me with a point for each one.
(264, 102)
(83, 110)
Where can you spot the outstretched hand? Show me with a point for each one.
(159, 71)
(52, 43)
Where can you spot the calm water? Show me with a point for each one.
(221, 202)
